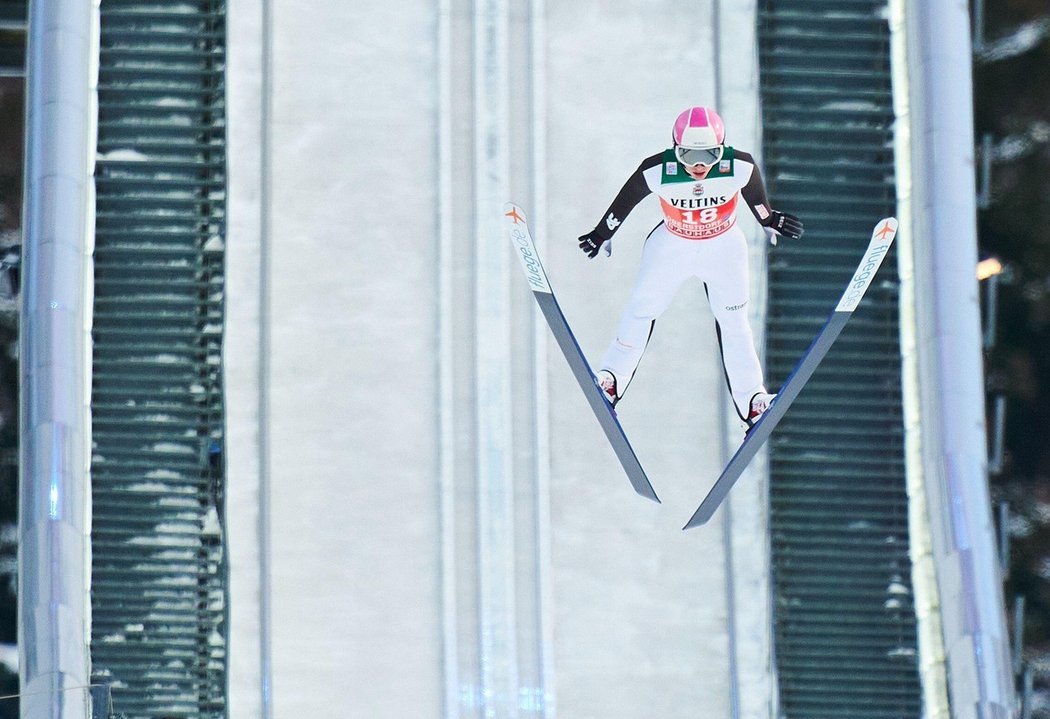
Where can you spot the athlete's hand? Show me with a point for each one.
(591, 243)
(787, 225)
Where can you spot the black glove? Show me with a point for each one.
(787, 225)
(591, 243)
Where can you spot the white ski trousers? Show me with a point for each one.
(721, 263)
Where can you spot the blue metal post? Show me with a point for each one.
(55, 361)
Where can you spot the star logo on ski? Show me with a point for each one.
(513, 214)
(886, 229)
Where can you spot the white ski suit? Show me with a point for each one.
(698, 238)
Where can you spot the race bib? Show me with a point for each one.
(699, 223)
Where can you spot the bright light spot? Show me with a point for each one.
(989, 267)
(52, 509)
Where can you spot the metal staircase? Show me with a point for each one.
(158, 574)
(845, 624)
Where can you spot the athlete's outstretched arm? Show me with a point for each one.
(633, 191)
(754, 194)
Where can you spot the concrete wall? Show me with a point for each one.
(425, 519)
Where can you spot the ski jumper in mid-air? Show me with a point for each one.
(700, 181)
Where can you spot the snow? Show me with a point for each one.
(148, 487)
(165, 195)
(174, 102)
(172, 448)
(1042, 510)
(897, 587)
(124, 155)
(187, 554)
(640, 608)
(1020, 144)
(160, 488)
(177, 581)
(164, 474)
(187, 529)
(1020, 41)
(180, 120)
(211, 522)
(9, 657)
(850, 106)
(790, 176)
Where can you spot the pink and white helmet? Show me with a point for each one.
(698, 136)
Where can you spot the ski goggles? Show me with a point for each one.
(690, 156)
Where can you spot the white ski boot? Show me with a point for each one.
(607, 382)
(760, 402)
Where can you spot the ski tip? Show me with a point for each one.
(881, 238)
(885, 229)
(514, 213)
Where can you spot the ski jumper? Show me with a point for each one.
(697, 238)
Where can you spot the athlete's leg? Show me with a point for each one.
(664, 267)
(727, 281)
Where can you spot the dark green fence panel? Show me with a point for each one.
(845, 622)
(12, 37)
(158, 574)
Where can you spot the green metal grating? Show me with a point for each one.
(159, 575)
(13, 19)
(845, 623)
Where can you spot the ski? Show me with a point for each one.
(881, 239)
(525, 249)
